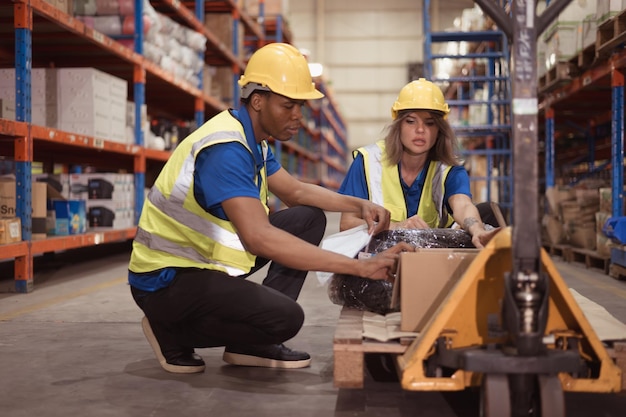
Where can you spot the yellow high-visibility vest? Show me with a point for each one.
(385, 189)
(174, 230)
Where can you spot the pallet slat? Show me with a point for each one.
(350, 347)
(590, 258)
(611, 34)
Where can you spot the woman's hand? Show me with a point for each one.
(413, 222)
(482, 237)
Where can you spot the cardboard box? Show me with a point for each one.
(38, 205)
(605, 194)
(556, 196)
(582, 235)
(554, 229)
(7, 198)
(424, 279)
(10, 230)
(38, 202)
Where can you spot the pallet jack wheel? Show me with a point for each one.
(521, 396)
(495, 396)
(552, 397)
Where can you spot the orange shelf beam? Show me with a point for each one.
(59, 243)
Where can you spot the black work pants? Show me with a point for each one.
(205, 308)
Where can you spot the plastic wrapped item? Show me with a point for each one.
(375, 295)
(420, 238)
(360, 293)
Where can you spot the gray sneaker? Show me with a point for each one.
(268, 356)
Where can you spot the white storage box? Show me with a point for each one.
(43, 95)
(92, 103)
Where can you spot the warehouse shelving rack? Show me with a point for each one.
(488, 68)
(319, 154)
(33, 33)
(596, 95)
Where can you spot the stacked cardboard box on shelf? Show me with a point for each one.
(580, 218)
(89, 202)
(109, 197)
(8, 219)
(10, 226)
(43, 92)
(92, 102)
(561, 38)
(576, 215)
(85, 101)
(221, 24)
(270, 7)
(66, 6)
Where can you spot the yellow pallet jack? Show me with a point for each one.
(510, 326)
(522, 342)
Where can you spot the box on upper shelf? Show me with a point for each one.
(606, 9)
(44, 107)
(92, 102)
(270, 8)
(86, 101)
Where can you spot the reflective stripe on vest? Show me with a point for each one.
(384, 187)
(174, 230)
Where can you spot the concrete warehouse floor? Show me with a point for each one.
(74, 346)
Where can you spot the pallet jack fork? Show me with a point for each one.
(510, 326)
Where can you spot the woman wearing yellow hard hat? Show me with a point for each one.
(206, 226)
(414, 171)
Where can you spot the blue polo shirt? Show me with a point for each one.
(222, 171)
(457, 182)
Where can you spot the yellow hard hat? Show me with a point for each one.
(280, 68)
(420, 95)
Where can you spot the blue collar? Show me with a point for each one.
(243, 116)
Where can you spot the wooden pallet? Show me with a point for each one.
(617, 271)
(350, 347)
(585, 58)
(562, 251)
(561, 73)
(610, 34)
(590, 258)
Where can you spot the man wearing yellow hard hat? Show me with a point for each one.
(206, 226)
(414, 171)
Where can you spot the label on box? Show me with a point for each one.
(15, 230)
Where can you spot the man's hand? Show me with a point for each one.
(377, 217)
(384, 264)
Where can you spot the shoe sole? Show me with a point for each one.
(175, 369)
(249, 360)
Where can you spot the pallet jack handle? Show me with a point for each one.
(526, 299)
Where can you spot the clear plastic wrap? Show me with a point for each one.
(360, 293)
(375, 295)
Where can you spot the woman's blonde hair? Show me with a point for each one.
(445, 149)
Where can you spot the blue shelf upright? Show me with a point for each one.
(485, 68)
